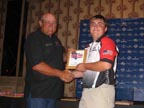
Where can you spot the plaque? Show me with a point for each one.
(74, 58)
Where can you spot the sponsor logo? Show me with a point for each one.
(76, 55)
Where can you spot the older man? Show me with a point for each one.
(45, 66)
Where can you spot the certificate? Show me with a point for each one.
(75, 58)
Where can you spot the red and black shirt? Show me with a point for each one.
(102, 50)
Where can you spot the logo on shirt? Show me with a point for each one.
(94, 48)
(48, 44)
(107, 52)
(57, 43)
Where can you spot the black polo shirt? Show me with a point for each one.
(40, 47)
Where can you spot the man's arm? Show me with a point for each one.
(77, 74)
(95, 66)
(45, 69)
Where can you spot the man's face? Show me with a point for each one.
(48, 24)
(97, 28)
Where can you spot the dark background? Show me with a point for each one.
(11, 38)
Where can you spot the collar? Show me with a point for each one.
(99, 39)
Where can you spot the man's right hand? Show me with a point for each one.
(66, 76)
(77, 74)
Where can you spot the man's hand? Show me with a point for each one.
(77, 74)
(81, 67)
(67, 76)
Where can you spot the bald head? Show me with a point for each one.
(46, 15)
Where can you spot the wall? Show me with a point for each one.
(69, 14)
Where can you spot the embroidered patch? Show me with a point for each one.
(48, 44)
(107, 52)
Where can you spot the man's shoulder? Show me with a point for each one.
(33, 35)
(107, 39)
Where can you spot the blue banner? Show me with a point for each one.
(129, 37)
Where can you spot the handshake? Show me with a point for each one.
(68, 76)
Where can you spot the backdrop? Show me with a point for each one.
(128, 34)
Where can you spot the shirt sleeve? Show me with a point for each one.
(33, 50)
(108, 50)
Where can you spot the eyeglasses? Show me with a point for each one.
(99, 24)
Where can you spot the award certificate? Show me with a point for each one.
(75, 58)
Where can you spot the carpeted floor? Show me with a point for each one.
(7, 102)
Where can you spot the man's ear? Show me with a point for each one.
(40, 23)
(106, 29)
